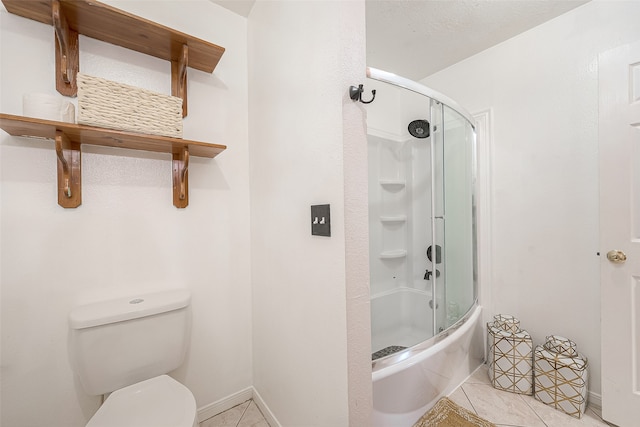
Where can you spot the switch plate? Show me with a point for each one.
(320, 220)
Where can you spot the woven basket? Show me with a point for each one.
(113, 105)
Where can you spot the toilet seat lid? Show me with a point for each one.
(156, 402)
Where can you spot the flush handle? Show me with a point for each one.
(616, 257)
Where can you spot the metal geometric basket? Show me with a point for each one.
(510, 355)
(561, 376)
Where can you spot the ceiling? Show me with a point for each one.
(241, 7)
(416, 38)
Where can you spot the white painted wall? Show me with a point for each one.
(542, 88)
(126, 236)
(308, 146)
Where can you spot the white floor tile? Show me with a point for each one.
(501, 407)
(477, 395)
(480, 376)
(253, 417)
(555, 418)
(461, 399)
(229, 418)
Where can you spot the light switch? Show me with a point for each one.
(320, 220)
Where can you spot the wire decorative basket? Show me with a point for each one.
(561, 376)
(510, 355)
(112, 105)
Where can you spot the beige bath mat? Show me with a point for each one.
(448, 414)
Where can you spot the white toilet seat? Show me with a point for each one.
(157, 402)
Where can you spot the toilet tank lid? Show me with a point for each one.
(121, 309)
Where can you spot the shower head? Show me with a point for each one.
(419, 129)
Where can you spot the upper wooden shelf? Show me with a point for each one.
(82, 134)
(111, 25)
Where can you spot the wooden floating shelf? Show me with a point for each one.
(69, 138)
(82, 134)
(103, 22)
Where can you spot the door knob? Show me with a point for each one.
(617, 257)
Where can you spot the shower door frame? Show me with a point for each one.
(386, 77)
(441, 100)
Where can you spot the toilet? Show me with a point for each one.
(126, 347)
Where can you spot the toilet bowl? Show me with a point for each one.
(156, 402)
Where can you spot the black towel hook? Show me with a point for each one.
(355, 93)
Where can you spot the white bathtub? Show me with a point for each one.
(408, 384)
(400, 317)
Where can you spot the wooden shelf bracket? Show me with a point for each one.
(67, 56)
(181, 178)
(179, 77)
(69, 171)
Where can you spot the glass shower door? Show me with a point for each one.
(453, 217)
(400, 183)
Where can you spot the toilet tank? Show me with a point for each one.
(120, 342)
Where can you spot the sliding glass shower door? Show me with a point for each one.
(421, 156)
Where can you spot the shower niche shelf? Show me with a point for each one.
(393, 219)
(393, 184)
(70, 18)
(395, 254)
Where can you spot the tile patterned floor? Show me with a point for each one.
(246, 414)
(477, 395)
(509, 409)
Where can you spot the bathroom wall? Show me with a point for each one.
(307, 147)
(542, 88)
(126, 236)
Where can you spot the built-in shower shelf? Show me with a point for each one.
(393, 219)
(392, 184)
(398, 253)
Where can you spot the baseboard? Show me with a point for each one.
(595, 400)
(266, 412)
(224, 404)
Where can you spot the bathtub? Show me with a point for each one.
(407, 384)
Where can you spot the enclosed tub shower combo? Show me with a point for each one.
(426, 323)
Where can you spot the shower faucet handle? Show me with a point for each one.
(428, 274)
(438, 254)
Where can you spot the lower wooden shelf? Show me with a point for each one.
(75, 135)
(28, 126)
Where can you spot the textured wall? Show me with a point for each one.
(303, 57)
(542, 87)
(126, 236)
